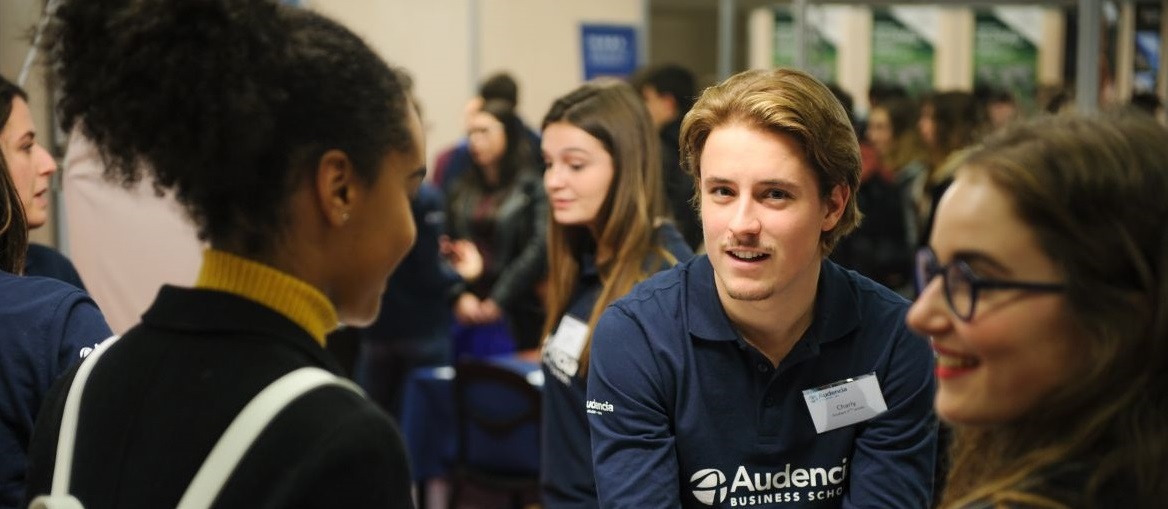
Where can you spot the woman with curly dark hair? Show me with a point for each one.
(295, 150)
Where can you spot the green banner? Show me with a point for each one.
(1004, 59)
(821, 53)
(900, 55)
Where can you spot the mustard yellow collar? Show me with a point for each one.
(291, 297)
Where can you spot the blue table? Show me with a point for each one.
(428, 421)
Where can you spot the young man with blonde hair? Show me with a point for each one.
(762, 373)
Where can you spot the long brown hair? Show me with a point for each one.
(610, 111)
(1093, 191)
(13, 229)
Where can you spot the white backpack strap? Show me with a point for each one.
(67, 434)
(242, 432)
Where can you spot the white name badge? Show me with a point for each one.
(845, 402)
(565, 346)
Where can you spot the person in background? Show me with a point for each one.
(949, 122)
(882, 248)
(669, 91)
(1043, 294)
(32, 170)
(295, 150)
(1001, 108)
(878, 92)
(878, 248)
(609, 231)
(46, 326)
(451, 164)
(498, 211)
(762, 372)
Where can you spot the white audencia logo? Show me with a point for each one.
(597, 408)
(709, 486)
(748, 488)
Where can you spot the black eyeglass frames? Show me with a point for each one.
(961, 285)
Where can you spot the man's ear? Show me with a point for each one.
(835, 206)
(336, 186)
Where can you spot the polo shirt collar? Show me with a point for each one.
(837, 309)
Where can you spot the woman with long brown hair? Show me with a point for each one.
(1045, 294)
(609, 231)
(46, 326)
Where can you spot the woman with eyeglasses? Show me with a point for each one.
(1044, 293)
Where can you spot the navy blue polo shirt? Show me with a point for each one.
(44, 261)
(565, 451)
(685, 413)
(45, 327)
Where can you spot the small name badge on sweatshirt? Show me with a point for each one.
(845, 402)
(563, 349)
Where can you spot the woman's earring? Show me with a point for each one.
(345, 217)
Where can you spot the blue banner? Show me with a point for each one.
(609, 50)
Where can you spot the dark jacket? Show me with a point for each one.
(163, 395)
(518, 260)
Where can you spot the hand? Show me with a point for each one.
(489, 311)
(463, 256)
(466, 309)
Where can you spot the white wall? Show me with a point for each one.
(688, 36)
(430, 39)
(537, 41)
(447, 45)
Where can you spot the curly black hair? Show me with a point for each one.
(230, 103)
